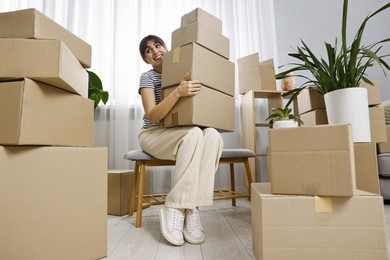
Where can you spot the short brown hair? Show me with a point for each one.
(144, 41)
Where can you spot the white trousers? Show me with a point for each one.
(196, 152)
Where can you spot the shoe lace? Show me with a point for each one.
(178, 220)
(194, 220)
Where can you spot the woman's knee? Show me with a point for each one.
(212, 136)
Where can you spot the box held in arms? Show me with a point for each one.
(33, 113)
(209, 68)
(203, 35)
(201, 16)
(209, 108)
(32, 24)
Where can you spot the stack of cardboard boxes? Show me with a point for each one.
(312, 208)
(53, 183)
(254, 74)
(198, 47)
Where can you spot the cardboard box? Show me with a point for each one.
(255, 75)
(47, 61)
(373, 93)
(310, 227)
(199, 15)
(119, 187)
(314, 117)
(209, 108)
(385, 147)
(30, 23)
(54, 202)
(377, 124)
(33, 113)
(317, 160)
(203, 35)
(209, 68)
(309, 99)
(366, 165)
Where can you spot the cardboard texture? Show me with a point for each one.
(199, 15)
(47, 61)
(366, 166)
(203, 35)
(54, 202)
(373, 93)
(33, 113)
(377, 124)
(385, 147)
(255, 75)
(309, 99)
(209, 68)
(310, 227)
(30, 23)
(118, 191)
(316, 160)
(314, 117)
(209, 108)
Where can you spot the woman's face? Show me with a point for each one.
(154, 54)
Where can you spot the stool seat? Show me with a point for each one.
(143, 160)
(139, 155)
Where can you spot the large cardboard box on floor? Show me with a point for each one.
(254, 74)
(310, 99)
(118, 191)
(203, 35)
(317, 160)
(209, 68)
(366, 165)
(32, 113)
(53, 202)
(377, 124)
(209, 108)
(201, 16)
(47, 61)
(32, 24)
(310, 227)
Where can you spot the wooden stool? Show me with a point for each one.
(142, 159)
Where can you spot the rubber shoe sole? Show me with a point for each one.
(192, 240)
(165, 232)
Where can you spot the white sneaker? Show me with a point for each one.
(171, 223)
(193, 230)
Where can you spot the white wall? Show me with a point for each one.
(316, 21)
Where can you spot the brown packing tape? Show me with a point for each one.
(176, 55)
(322, 204)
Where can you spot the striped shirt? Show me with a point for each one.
(151, 79)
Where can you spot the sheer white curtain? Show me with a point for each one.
(114, 29)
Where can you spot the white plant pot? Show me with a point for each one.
(350, 106)
(285, 124)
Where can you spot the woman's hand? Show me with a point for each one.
(188, 87)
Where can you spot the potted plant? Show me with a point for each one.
(283, 118)
(342, 73)
(95, 89)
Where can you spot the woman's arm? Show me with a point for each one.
(156, 113)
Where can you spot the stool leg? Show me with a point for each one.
(232, 182)
(134, 186)
(248, 174)
(140, 196)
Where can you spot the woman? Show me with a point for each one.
(196, 151)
